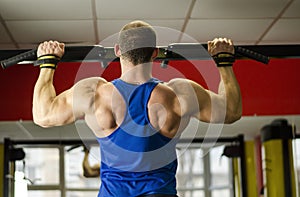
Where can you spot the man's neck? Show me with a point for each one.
(136, 74)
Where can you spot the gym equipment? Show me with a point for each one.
(175, 51)
(278, 159)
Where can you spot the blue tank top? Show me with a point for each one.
(136, 159)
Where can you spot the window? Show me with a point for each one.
(43, 193)
(296, 150)
(74, 172)
(203, 172)
(40, 171)
(81, 194)
(56, 171)
(190, 175)
(220, 168)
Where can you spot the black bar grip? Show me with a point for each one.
(29, 55)
(195, 51)
(72, 53)
(251, 54)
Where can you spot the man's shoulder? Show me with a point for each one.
(178, 83)
(173, 87)
(90, 84)
(93, 80)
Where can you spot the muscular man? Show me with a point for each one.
(136, 119)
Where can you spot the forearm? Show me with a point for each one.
(226, 106)
(89, 171)
(43, 96)
(229, 90)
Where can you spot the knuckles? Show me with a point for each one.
(220, 45)
(50, 47)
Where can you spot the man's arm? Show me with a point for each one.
(50, 109)
(89, 171)
(222, 107)
(229, 95)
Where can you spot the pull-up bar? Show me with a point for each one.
(176, 51)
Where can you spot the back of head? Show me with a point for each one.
(137, 41)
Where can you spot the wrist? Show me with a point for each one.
(224, 59)
(48, 61)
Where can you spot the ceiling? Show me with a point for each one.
(23, 24)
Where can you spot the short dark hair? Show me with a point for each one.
(137, 41)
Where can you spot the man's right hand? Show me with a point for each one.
(51, 48)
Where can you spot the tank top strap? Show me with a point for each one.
(136, 98)
(126, 89)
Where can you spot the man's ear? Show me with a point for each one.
(155, 53)
(117, 50)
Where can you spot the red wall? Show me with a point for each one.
(272, 89)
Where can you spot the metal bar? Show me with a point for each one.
(232, 178)
(207, 175)
(87, 53)
(97, 53)
(62, 181)
(44, 187)
(243, 166)
(12, 170)
(79, 142)
(221, 187)
(297, 136)
(202, 188)
(83, 189)
(190, 189)
(286, 167)
(210, 140)
(51, 142)
(7, 144)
